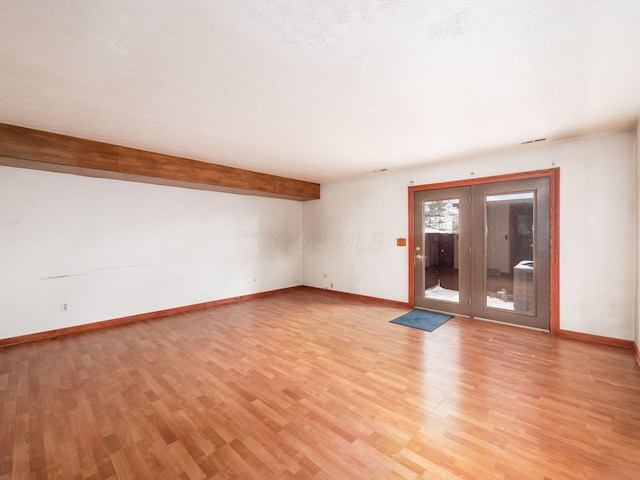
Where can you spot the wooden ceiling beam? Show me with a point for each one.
(36, 149)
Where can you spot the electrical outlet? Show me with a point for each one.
(64, 307)
(331, 285)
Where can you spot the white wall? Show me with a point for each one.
(111, 248)
(349, 237)
(349, 234)
(637, 177)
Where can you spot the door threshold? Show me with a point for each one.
(527, 327)
(415, 307)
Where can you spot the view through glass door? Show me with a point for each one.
(483, 251)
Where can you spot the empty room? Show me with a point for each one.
(278, 239)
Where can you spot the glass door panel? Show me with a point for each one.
(510, 244)
(441, 250)
(483, 251)
(509, 252)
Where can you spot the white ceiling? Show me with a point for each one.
(320, 90)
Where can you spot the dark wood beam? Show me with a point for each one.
(36, 149)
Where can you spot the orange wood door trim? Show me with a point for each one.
(554, 229)
(411, 247)
(35, 149)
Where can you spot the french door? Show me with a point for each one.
(483, 251)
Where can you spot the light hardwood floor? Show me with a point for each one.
(309, 384)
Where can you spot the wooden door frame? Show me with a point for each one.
(554, 230)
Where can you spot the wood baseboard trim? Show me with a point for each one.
(587, 337)
(32, 337)
(6, 342)
(365, 298)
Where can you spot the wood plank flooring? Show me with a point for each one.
(312, 385)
